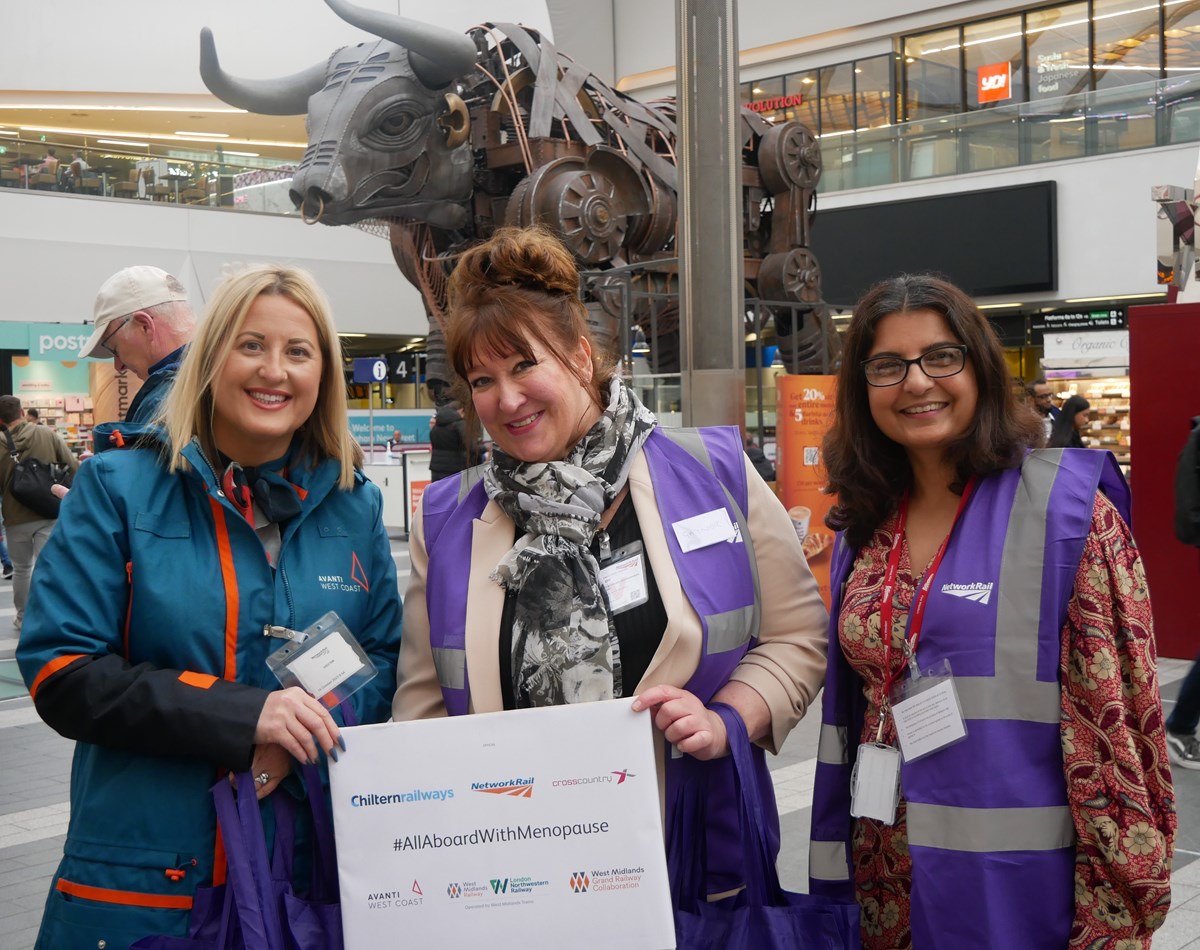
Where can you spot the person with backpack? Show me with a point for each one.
(1182, 745)
(26, 530)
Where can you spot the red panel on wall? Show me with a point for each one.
(1164, 383)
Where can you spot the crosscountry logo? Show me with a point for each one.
(579, 882)
(624, 774)
(978, 592)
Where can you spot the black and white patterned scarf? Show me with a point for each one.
(564, 646)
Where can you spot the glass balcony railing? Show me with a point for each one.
(180, 176)
(1166, 112)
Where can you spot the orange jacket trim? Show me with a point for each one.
(199, 680)
(129, 898)
(51, 668)
(229, 579)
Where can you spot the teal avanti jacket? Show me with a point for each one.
(144, 641)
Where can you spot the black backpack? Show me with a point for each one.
(1187, 489)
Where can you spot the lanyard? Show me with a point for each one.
(916, 615)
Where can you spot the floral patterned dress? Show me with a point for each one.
(1113, 740)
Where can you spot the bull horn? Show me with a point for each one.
(437, 56)
(285, 96)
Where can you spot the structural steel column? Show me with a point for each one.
(712, 339)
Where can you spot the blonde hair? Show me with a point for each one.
(188, 410)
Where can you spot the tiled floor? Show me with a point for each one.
(35, 775)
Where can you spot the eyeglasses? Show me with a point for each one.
(105, 341)
(938, 363)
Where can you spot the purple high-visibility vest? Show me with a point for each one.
(989, 829)
(694, 471)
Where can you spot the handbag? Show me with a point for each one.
(256, 908)
(763, 916)
(31, 481)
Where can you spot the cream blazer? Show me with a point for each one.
(787, 667)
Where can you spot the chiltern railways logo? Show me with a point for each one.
(979, 592)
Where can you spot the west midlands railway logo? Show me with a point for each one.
(454, 891)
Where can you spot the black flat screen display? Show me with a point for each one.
(1000, 241)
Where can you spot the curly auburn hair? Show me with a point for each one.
(519, 286)
(868, 471)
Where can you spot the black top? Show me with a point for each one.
(639, 629)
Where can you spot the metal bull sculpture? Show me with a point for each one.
(436, 138)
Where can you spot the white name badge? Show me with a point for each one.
(875, 783)
(700, 531)
(929, 720)
(624, 578)
(325, 660)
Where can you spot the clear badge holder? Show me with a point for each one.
(927, 711)
(325, 660)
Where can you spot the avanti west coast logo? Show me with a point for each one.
(978, 591)
(517, 787)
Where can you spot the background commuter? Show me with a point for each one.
(26, 530)
(1042, 401)
(143, 321)
(758, 458)
(574, 477)
(1052, 822)
(32, 415)
(1182, 744)
(448, 438)
(176, 555)
(1072, 420)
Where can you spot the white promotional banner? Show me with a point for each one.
(531, 828)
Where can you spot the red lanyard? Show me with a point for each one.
(916, 615)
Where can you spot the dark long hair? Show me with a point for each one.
(1064, 433)
(868, 471)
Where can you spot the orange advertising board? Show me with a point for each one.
(995, 82)
(804, 413)
(415, 491)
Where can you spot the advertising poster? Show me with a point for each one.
(530, 828)
(804, 413)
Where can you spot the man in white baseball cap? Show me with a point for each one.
(144, 322)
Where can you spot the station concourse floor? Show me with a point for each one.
(35, 766)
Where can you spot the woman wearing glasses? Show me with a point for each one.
(992, 770)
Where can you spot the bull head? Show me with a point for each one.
(386, 139)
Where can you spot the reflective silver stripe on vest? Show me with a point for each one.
(467, 480)
(691, 441)
(451, 666)
(990, 829)
(832, 747)
(1018, 615)
(827, 861)
(730, 630)
(986, 697)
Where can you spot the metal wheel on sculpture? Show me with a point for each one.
(584, 207)
(794, 275)
(789, 156)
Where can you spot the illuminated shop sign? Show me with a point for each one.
(777, 102)
(995, 82)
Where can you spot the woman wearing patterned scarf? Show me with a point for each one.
(511, 560)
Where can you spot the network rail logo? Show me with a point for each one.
(978, 592)
(516, 787)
